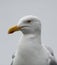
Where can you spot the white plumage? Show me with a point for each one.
(30, 50)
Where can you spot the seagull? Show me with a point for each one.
(30, 50)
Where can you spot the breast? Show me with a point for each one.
(30, 57)
(30, 54)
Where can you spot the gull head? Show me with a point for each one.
(27, 25)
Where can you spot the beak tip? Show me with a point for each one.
(8, 32)
(11, 30)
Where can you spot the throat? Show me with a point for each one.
(32, 41)
(34, 38)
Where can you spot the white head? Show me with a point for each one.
(28, 25)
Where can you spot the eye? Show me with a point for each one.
(29, 21)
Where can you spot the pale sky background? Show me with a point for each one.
(10, 13)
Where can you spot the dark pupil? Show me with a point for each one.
(29, 21)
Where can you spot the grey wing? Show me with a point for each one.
(13, 56)
(53, 62)
(11, 63)
(52, 58)
(50, 50)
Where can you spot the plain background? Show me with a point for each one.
(12, 10)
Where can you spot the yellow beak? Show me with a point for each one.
(14, 28)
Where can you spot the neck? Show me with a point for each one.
(34, 37)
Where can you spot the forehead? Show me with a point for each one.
(30, 17)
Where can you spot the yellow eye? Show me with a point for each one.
(29, 21)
